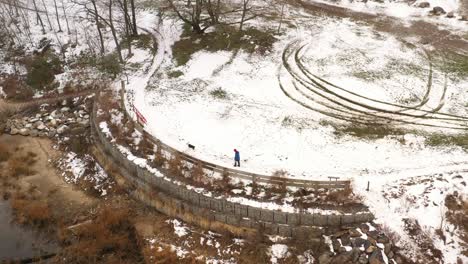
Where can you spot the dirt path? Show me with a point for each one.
(427, 33)
(46, 181)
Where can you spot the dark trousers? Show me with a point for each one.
(236, 163)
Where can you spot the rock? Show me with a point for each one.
(364, 228)
(355, 252)
(41, 127)
(387, 248)
(14, 131)
(28, 125)
(438, 11)
(38, 123)
(383, 239)
(345, 240)
(86, 116)
(450, 15)
(62, 129)
(325, 258)
(53, 123)
(78, 131)
(363, 259)
(358, 242)
(354, 233)
(24, 132)
(464, 18)
(336, 244)
(51, 133)
(65, 109)
(370, 249)
(376, 258)
(342, 258)
(374, 234)
(390, 254)
(424, 5)
(38, 116)
(342, 250)
(34, 133)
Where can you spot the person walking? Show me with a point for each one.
(236, 158)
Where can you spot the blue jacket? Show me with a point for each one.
(237, 156)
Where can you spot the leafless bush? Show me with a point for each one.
(21, 166)
(197, 173)
(392, 235)
(109, 237)
(175, 166)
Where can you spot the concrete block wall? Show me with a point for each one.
(220, 210)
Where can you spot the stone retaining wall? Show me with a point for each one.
(158, 192)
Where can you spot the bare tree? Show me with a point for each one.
(47, 15)
(110, 23)
(57, 16)
(66, 18)
(191, 13)
(38, 17)
(135, 30)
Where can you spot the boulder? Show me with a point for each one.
(363, 259)
(358, 242)
(41, 127)
(14, 131)
(376, 258)
(383, 239)
(325, 258)
(342, 258)
(51, 133)
(450, 15)
(387, 248)
(438, 11)
(34, 133)
(424, 5)
(354, 233)
(62, 129)
(370, 249)
(65, 109)
(24, 132)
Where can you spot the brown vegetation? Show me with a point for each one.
(4, 154)
(31, 212)
(21, 166)
(109, 238)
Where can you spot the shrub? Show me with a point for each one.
(159, 159)
(109, 237)
(219, 93)
(20, 166)
(197, 172)
(41, 71)
(110, 64)
(175, 74)
(31, 212)
(340, 196)
(15, 89)
(175, 166)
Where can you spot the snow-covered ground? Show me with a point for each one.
(274, 132)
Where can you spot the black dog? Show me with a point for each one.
(191, 146)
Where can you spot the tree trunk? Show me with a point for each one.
(114, 33)
(96, 18)
(66, 18)
(127, 27)
(281, 18)
(244, 11)
(135, 28)
(38, 17)
(57, 16)
(47, 15)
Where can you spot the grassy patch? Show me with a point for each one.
(371, 132)
(222, 38)
(452, 63)
(447, 140)
(175, 74)
(219, 93)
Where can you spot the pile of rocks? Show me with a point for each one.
(361, 245)
(50, 124)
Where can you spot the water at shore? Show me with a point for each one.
(18, 242)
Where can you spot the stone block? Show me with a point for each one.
(284, 230)
(271, 228)
(228, 207)
(280, 217)
(233, 220)
(320, 220)
(293, 219)
(266, 215)
(220, 217)
(241, 210)
(347, 219)
(307, 219)
(253, 213)
(334, 220)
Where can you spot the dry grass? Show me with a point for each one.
(457, 214)
(109, 238)
(197, 173)
(4, 154)
(21, 166)
(31, 212)
(175, 166)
